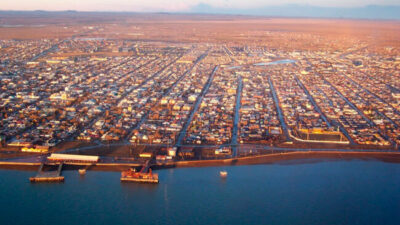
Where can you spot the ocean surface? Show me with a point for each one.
(306, 192)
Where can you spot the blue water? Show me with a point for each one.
(331, 192)
(283, 61)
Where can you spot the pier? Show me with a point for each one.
(48, 176)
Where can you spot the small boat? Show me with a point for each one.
(82, 171)
(223, 174)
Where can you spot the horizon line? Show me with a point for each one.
(206, 13)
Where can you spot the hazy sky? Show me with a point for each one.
(172, 5)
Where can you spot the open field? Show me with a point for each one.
(289, 33)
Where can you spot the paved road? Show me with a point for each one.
(144, 117)
(199, 99)
(371, 123)
(316, 107)
(279, 110)
(234, 141)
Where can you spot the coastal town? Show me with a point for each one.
(192, 112)
(91, 90)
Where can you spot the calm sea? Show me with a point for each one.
(329, 192)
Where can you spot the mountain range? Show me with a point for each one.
(293, 10)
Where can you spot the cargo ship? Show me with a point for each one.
(141, 177)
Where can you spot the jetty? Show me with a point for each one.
(48, 175)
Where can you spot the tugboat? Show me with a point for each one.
(223, 174)
(142, 176)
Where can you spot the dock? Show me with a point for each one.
(153, 180)
(48, 176)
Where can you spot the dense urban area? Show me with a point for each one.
(91, 87)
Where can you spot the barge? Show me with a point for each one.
(141, 177)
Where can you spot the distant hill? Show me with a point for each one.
(292, 10)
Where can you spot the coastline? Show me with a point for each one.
(393, 157)
(285, 157)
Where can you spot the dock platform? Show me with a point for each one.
(140, 180)
(48, 176)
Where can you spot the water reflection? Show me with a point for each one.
(283, 61)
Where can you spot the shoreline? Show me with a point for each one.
(298, 156)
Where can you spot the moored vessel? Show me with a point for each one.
(141, 177)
